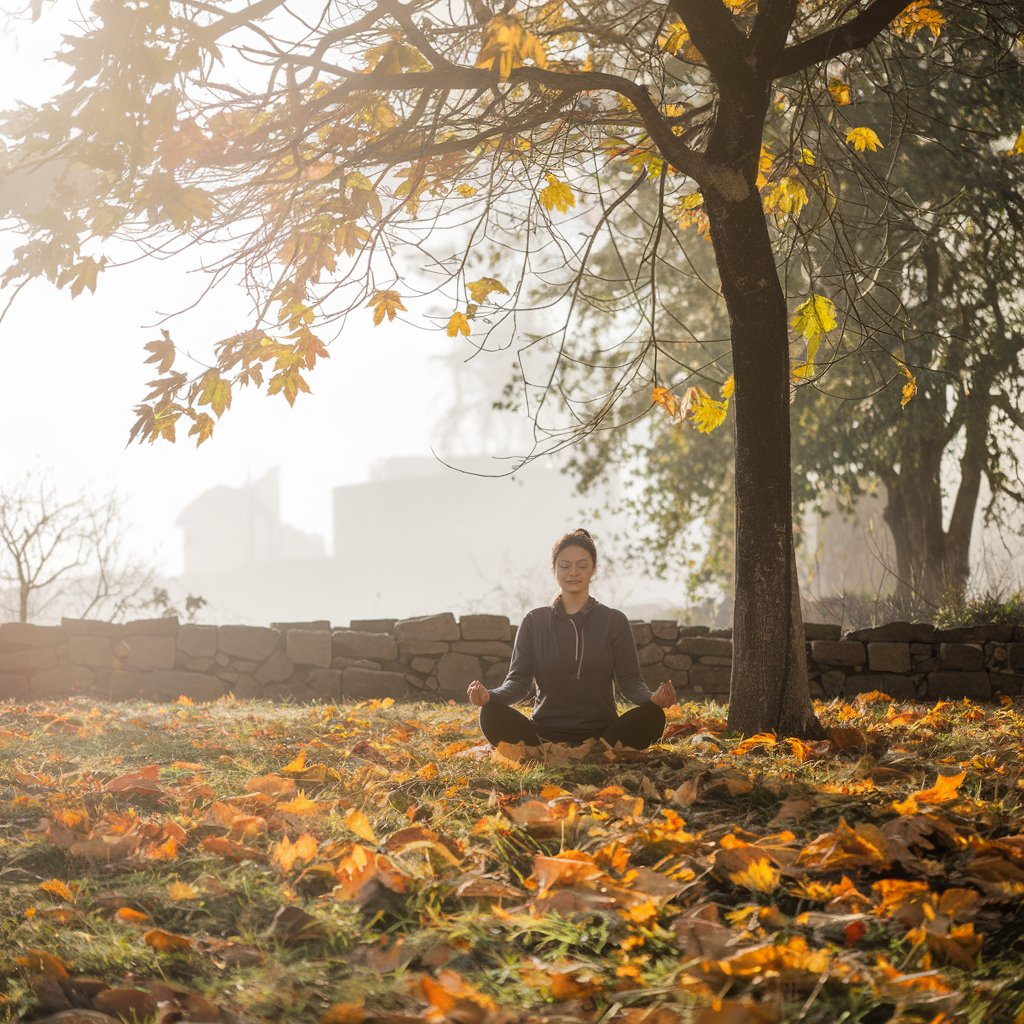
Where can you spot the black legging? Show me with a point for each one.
(637, 728)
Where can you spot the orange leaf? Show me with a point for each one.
(130, 916)
(298, 765)
(762, 741)
(166, 942)
(143, 782)
(274, 785)
(344, 1013)
(230, 849)
(38, 961)
(182, 891)
(360, 825)
(286, 853)
(57, 888)
(945, 788)
(300, 805)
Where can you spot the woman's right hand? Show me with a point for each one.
(477, 693)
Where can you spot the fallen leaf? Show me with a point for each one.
(166, 942)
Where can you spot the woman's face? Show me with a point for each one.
(574, 569)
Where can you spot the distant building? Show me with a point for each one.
(414, 539)
(230, 528)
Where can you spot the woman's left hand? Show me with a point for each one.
(665, 695)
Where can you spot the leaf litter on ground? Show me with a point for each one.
(241, 862)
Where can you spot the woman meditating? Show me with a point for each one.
(576, 649)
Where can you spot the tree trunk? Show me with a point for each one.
(932, 563)
(769, 689)
(23, 592)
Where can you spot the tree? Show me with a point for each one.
(933, 295)
(311, 157)
(67, 554)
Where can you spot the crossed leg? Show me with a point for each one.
(637, 728)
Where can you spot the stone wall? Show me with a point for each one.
(435, 657)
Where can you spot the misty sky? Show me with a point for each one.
(72, 370)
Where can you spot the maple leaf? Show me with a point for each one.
(1018, 146)
(813, 318)
(676, 39)
(350, 238)
(480, 290)
(788, 198)
(300, 804)
(215, 392)
(202, 427)
(946, 788)
(385, 303)
(839, 91)
(917, 16)
(81, 275)
(863, 138)
(705, 412)
(760, 874)
(458, 323)
(508, 45)
(285, 854)
(162, 352)
(289, 383)
(557, 195)
(669, 402)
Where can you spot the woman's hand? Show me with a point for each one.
(477, 693)
(665, 695)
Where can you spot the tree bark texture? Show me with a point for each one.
(769, 688)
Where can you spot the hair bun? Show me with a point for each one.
(586, 533)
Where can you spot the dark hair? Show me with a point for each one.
(574, 538)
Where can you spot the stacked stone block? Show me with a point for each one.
(435, 657)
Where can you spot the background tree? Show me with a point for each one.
(66, 556)
(313, 158)
(933, 295)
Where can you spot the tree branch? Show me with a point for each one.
(852, 35)
(722, 44)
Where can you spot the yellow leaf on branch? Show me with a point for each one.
(557, 195)
(676, 39)
(216, 392)
(480, 290)
(705, 413)
(863, 138)
(910, 388)
(669, 402)
(508, 44)
(1018, 146)
(917, 16)
(839, 91)
(787, 198)
(815, 317)
(385, 303)
(458, 323)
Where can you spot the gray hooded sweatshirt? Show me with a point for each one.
(576, 660)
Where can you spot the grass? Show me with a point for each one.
(372, 862)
